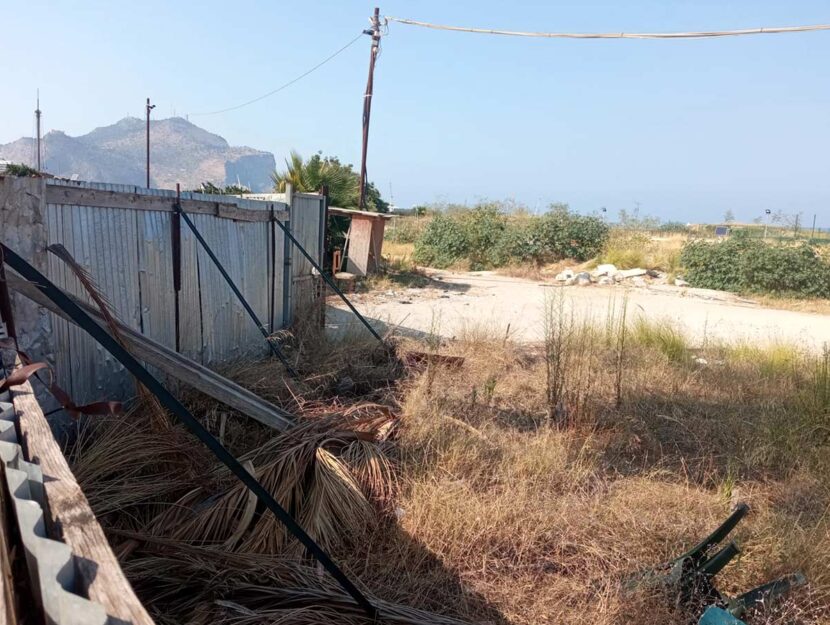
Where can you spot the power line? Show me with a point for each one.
(281, 87)
(685, 35)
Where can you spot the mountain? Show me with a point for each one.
(179, 152)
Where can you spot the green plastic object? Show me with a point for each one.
(718, 616)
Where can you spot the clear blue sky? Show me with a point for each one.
(686, 128)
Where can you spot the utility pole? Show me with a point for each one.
(367, 102)
(37, 117)
(150, 107)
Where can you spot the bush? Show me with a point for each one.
(744, 264)
(487, 237)
(443, 243)
(673, 226)
(20, 170)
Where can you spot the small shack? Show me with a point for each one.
(364, 240)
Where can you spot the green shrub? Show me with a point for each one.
(443, 243)
(750, 265)
(20, 170)
(567, 235)
(487, 237)
(673, 226)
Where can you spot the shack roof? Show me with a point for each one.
(350, 212)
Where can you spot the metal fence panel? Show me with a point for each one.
(127, 248)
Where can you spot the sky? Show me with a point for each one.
(686, 130)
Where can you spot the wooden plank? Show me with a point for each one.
(175, 365)
(70, 518)
(102, 198)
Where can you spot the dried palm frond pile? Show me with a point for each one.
(206, 586)
(332, 473)
(198, 546)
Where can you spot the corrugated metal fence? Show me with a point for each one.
(123, 236)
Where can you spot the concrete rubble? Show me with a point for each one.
(607, 274)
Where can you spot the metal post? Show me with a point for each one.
(37, 116)
(329, 281)
(367, 103)
(150, 107)
(813, 232)
(287, 268)
(176, 234)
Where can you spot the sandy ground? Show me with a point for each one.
(457, 303)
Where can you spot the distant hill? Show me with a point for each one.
(179, 152)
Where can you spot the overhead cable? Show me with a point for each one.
(283, 86)
(620, 35)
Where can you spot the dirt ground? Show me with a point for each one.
(456, 303)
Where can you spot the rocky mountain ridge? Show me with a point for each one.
(180, 152)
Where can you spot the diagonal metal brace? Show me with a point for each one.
(274, 348)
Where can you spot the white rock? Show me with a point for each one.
(680, 282)
(605, 280)
(633, 273)
(605, 270)
(564, 275)
(701, 361)
(570, 281)
(618, 277)
(638, 281)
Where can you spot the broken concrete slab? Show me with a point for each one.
(632, 273)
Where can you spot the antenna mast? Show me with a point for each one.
(150, 107)
(37, 117)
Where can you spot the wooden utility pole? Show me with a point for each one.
(37, 117)
(367, 102)
(150, 107)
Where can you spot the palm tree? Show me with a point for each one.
(293, 174)
(315, 173)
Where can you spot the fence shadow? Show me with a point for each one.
(426, 583)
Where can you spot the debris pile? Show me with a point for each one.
(608, 275)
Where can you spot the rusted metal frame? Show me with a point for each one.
(330, 282)
(190, 422)
(271, 344)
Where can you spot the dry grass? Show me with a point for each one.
(398, 251)
(628, 249)
(523, 487)
(815, 306)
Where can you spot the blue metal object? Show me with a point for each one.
(718, 616)
(690, 578)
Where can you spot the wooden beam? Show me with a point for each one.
(174, 364)
(70, 518)
(103, 198)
